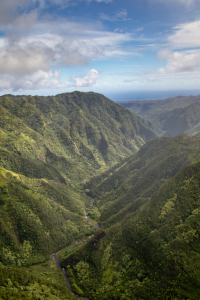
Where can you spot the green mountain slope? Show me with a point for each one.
(171, 116)
(147, 203)
(68, 137)
(153, 253)
(42, 282)
(48, 145)
(38, 216)
(123, 189)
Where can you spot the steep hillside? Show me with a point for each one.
(37, 217)
(48, 145)
(40, 282)
(68, 137)
(171, 116)
(126, 187)
(151, 254)
(182, 120)
(147, 203)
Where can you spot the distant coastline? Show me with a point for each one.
(148, 95)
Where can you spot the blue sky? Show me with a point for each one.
(53, 46)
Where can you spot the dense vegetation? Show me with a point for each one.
(48, 145)
(69, 137)
(40, 282)
(171, 116)
(127, 186)
(56, 153)
(151, 251)
(37, 217)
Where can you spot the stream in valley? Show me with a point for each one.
(54, 255)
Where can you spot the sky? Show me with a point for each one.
(49, 47)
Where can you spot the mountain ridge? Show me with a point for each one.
(171, 116)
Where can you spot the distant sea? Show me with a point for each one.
(148, 95)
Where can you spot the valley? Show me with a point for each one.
(113, 196)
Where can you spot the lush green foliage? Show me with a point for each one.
(125, 188)
(69, 137)
(48, 145)
(41, 282)
(152, 254)
(37, 217)
(148, 203)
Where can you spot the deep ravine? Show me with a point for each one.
(54, 255)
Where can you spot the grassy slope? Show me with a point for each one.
(152, 254)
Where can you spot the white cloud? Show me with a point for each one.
(180, 61)
(26, 57)
(41, 51)
(35, 81)
(88, 80)
(43, 80)
(185, 36)
(33, 57)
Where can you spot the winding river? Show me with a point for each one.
(54, 255)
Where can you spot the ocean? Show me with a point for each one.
(148, 95)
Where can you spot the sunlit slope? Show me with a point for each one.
(152, 254)
(130, 184)
(38, 216)
(71, 136)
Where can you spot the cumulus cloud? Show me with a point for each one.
(37, 80)
(180, 61)
(41, 51)
(185, 36)
(185, 57)
(30, 47)
(88, 80)
(44, 80)
(15, 59)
